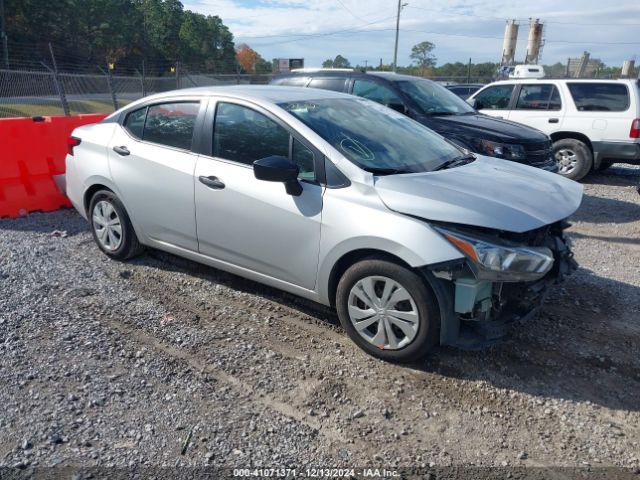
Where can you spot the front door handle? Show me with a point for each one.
(554, 120)
(211, 182)
(124, 151)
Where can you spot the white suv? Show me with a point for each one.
(593, 123)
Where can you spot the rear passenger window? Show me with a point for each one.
(134, 123)
(599, 97)
(335, 84)
(171, 124)
(494, 98)
(538, 97)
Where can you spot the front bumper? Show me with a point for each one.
(505, 305)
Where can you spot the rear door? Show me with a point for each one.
(152, 164)
(495, 100)
(538, 105)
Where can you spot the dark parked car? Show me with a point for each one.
(464, 90)
(437, 108)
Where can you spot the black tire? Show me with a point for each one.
(582, 154)
(129, 245)
(428, 333)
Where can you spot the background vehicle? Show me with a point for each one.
(465, 90)
(437, 108)
(593, 123)
(527, 71)
(334, 198)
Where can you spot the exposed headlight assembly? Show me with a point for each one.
(492, 261)
(507, 151)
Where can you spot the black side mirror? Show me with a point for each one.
(279, 169)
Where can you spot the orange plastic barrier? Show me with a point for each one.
(32, 151)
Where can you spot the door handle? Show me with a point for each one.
(124, 151)
(211, 182)
(554, 120)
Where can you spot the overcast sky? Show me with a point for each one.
(460, 29)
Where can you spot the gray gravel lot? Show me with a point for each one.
(117, 364)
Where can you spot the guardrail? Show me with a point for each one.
(33, 151)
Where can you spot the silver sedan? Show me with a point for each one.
(413, 240)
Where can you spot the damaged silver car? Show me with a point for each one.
(414, 241)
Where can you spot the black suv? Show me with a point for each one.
(437, 108)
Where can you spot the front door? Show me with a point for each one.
(248, 222)
(494, 100)
(152, 164)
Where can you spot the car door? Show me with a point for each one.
(494, 100)
(538, 105)
(248, 222)
(152, 165)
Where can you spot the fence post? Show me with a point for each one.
(57, 82)
(142, 79)
(177, 75)
(114, 100)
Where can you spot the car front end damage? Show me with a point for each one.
(504, 278)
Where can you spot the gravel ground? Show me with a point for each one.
(118, 364)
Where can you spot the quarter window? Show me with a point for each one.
(303, 157)
(538, 97)
(600, 97)
(494, 98)
(376, 92)
(244, 135)
(171, 124)
(134, 123)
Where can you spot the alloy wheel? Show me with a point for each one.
(383, 312)
(107, 226)
(567, 160)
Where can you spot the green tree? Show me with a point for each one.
(328, 63)
(421, 54)
(340, 62)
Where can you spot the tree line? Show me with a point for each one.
(122, 33)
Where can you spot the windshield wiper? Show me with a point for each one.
(385, 171)
(441, 114)
(455, 162)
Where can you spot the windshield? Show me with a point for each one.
(433, 99)
(374, 137)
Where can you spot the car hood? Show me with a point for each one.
(483, 126)
(487, 193)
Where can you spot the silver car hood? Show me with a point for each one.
(488, 193)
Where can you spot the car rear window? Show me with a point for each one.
(599, 97)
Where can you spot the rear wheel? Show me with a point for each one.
(574, 158)
(111, 227)
(388, 310)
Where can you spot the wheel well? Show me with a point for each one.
(90, 193)
(353, 257)
(575, 135)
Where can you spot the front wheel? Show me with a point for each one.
(388, 310)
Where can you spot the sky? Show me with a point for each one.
(364, 30)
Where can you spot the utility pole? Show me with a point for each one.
(3, 37)
(395, 50)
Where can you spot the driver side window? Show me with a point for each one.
(494, 98)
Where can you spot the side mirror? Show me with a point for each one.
(472, 102)
(279, 169)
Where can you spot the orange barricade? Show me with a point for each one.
(32, 151)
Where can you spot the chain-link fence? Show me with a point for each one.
(27, 93)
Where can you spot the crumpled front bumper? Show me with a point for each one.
(512, 302)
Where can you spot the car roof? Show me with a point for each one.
(581, 80)
(268, 93)
(329, 72)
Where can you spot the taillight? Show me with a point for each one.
(72, 142)
(635, 129)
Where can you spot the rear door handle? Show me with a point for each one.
(211, 182)
(124, 151)
(554, 120)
